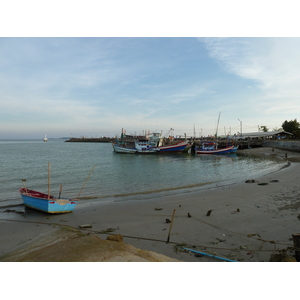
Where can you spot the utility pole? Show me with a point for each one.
(241, 127)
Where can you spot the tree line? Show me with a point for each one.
(292, 126)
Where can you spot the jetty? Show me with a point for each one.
(274, 139)
(91, 140)
(242, 144)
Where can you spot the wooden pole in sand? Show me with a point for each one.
(60, 189)
(24, 180)
(296, 240)
(49, 171)
(171, 226)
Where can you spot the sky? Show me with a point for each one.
(95, 86)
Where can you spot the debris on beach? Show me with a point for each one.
(115, 238)
(253, 234)
(85, 226)
(168, 221)
(158, 208)
(282, 257)
(179, 247)
(108, 230)
(208, 213)
(189, 215)
(244, 247)
(250, 181)
(221, 240)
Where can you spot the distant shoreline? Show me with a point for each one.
(91, 140)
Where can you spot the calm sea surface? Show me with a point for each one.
(116, 177)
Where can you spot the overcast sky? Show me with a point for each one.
(97, 86)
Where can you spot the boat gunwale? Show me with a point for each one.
(24, 192)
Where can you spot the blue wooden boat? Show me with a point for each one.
(212, 148)
(178, 147)
(45, 203)
(235, 148)
(48, 203)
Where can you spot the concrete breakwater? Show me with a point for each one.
(284, 145)
(91, 140)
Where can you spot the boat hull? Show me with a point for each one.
(120, 149)
(145, 147)
(179, 147)
(147, 151)
(234, 149)
(226, 150)
(40, 201)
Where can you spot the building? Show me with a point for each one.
(279, 134)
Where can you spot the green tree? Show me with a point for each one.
(296, 134)
(291, 125)
(264, 128)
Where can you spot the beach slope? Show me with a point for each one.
(248, 221)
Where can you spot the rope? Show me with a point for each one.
(156, 240)
(220, 228)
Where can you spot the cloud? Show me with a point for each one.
(272, 63)
(104, 84)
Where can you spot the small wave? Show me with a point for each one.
(147, 192)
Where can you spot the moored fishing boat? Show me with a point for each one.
(118, 148)
(235, 148)
(212, 148)
(178, 147)
(148, 143)
(145, 147)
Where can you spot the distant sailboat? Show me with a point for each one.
(45, 138)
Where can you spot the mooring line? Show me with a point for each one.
(179, 244)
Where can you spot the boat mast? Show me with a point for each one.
(218, 125)
(49, 170)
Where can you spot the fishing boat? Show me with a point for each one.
(212, 148)
(235, 148)
(118, 148)
(148, 143)
(47, 203)
(178, 147)
(145, 147)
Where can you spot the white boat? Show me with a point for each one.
(145, 147)
(45, 138)
(122, 149)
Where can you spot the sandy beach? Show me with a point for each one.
(248, 222)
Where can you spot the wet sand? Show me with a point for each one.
(248, 222)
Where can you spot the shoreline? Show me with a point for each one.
(248, 222)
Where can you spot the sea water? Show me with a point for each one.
(116, 176)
